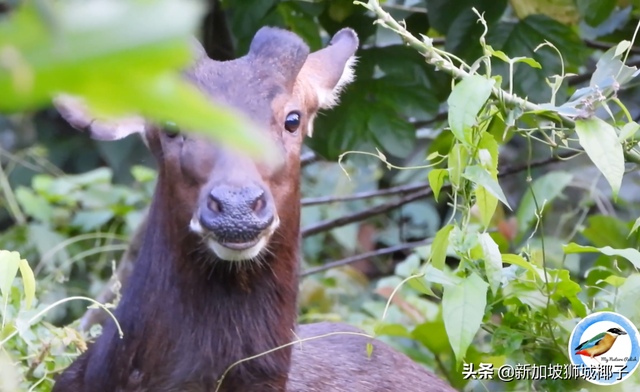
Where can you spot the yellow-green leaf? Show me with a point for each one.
(519, 261)
(487, 204)
(629, 253)
(457, 161)
(28, 281)
(436, 180)
(439, 247)
(9, 264)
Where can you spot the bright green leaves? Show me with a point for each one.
(439, 247)
(630, 254)
(465, 102)
(126, 60)
(488, 157)
(519, 261)
(462, 310)
(10, 262)
(436, 180)
(29, 283)
(601, 144)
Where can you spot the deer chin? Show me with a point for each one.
(232, 251)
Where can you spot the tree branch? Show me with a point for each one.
(423, 190)
(353, 259)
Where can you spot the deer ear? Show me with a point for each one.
(278, 53)
(77, 115)
(330, 69)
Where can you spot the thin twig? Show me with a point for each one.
(590, 43)
(375, 253)
(402, 189)
(423, 191)
(585, 77)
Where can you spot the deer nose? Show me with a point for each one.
(237, 215)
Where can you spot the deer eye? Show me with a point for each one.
(292, 122)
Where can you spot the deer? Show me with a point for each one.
(216, 278)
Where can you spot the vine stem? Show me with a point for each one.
(539, 213)
(283, 346)
(433, 58)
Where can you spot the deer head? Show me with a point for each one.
(232, 202)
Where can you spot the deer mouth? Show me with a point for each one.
(235, 251)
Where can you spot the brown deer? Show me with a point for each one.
(216, 279)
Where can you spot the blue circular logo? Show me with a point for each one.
(604, 348)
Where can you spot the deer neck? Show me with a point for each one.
(205, 314)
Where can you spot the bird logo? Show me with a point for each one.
(599, 344)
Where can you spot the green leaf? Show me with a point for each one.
(420, 285)
(492, 261)
(546, 189)
(143, 173)
(445, 278)
(627, 301)
(628, 130)
(436, 179)
(601, 144)
(463, 308)
(28, 281)
(127, 60)
(519, 261)
(615, 281)
(630, 254)
(506, 341)
(596, 11)
(399, 330)
(487, 204)
(9, 264)
(457, 161)
(622, 47)
(34, 205)
(465, 101)
(563, 286)
(369, 350)
(91, 220)
(636, 224)
(433, 336)
(439, 247)
(528, 61)
(488, 143)
(482, 177)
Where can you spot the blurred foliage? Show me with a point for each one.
(487, 262)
